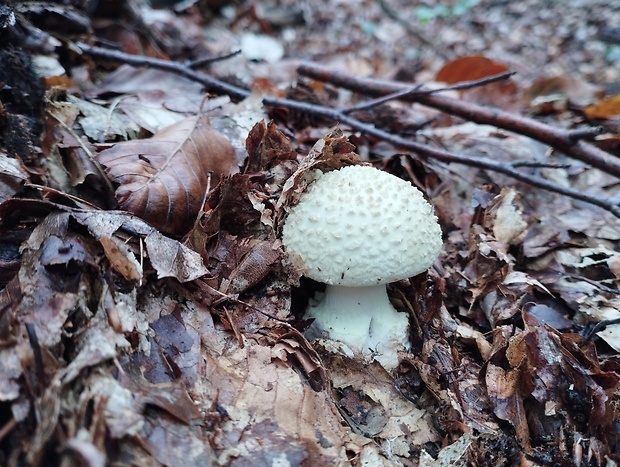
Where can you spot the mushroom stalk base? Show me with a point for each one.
(364, 319)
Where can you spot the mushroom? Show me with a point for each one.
(357, 229)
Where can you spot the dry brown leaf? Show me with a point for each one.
(121, 258)
(173, 259)
(164, 179)
(504, 390)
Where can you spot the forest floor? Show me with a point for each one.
(150, 155)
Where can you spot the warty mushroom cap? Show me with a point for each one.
(360, 226)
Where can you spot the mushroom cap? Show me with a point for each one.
(360, 226)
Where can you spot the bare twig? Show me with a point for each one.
(600, 326)
(419, 90)
(562, 140)
(427, 152)
(206, 60)
(369, 104)
(212, 84)
(585, 132)
(422, 150)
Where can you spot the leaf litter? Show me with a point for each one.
(123, 345)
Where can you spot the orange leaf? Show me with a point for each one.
(502, 94)
(164, 179)
(606, 108)
(469, 69)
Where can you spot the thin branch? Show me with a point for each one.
(206, 60)
(418, 90)
(427, 152)
(562, 140)
(371, 103)
(212, 84)
(422, 150)
(474, 83)
(600, 326)
(585, 132)
(539, 165)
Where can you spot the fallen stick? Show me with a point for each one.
(422, 150)
(567, 141)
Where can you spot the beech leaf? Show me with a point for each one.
(469, 68)
(164, 179)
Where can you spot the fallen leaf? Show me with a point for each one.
(606, 108)
(173, 259)
(12, 175)
(102, 124)
(552, 93)
(164, 179)
(121, 258)
(475, 67)
(509, 223)
(469, 68)
(504, 390)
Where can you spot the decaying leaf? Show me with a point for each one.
(12, 175)
(164, 179)
(509, 221)
(265, 400)
(169, 257)
(121, 258)
(544, 371)
(505, 392)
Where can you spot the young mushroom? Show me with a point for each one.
(357, 229)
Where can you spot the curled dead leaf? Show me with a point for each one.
(164, 179)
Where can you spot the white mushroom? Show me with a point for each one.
(357, 229)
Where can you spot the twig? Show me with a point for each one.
(539, 165)
(418, 90)
(600, 326)
(585, 132)
(422, 150)
(559, 139)
(369, 104)
(206, 60)
(427, 152)
(213, 85)
(227, 297)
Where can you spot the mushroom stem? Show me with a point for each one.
(362, 318)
